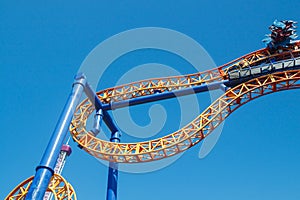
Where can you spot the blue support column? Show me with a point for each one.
(91, 94)
(97, 122)
(46, 167)
(112, 182)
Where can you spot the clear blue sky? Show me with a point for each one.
(42, 45)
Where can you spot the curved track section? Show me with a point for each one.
(58, 186)
(189, 135)
(150, 86)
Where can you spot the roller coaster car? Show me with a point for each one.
(262, 69)
(289, 23)
(282, 33)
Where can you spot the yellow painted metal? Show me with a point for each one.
(189, 135)
(182, 139)
(150, 86)
(58, 186)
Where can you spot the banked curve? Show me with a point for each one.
(189, 135)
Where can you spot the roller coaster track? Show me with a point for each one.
(58, 186)
(150, 86)
(243, 91)
(249, 77)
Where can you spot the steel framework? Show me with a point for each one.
(190, 134)
(150, 86)
(58, 186)
(283, 73)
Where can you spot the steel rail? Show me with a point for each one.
(189, 135)
(58, 186)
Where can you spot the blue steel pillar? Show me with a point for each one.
(112, 182)
(97, 122)
(45, 170)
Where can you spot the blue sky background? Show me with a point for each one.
(43, 45)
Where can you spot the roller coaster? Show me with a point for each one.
(272, 69)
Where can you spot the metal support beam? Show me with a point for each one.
(45, 170)
(112, 182)
(98, 105)
(97, 122)
(165, 95)
(223, 87)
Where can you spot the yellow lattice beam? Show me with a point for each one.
(58, 186)
(189, 135)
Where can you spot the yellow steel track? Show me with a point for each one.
(200, 127)
(150, 86)
(58, 186)
(186, 137)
